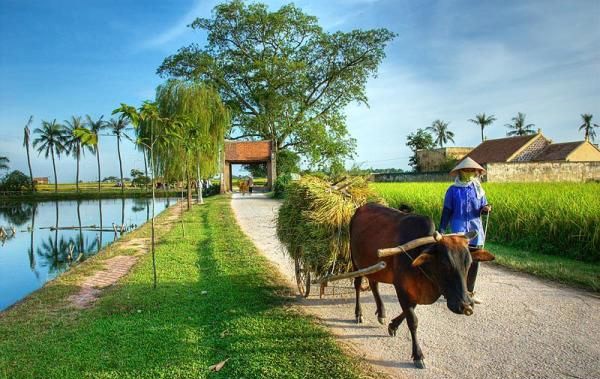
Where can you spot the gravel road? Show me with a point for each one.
(526, 327)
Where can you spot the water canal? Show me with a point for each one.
(33, 250)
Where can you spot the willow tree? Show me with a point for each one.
(197, 124)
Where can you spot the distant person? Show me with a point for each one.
(250, 183)
(464, 204)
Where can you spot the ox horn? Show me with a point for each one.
(409, 245)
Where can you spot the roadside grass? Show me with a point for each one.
(564, 270)
(216, 299)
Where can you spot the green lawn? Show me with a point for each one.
(217, 298)
(564, 270)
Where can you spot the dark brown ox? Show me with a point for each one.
(420, 275)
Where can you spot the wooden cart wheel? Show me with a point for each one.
(302, 278)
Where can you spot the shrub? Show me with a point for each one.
(281, 185)
(15, 181)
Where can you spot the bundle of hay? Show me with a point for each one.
(314, 221)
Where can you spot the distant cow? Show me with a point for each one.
(430, 266)
(243, 186)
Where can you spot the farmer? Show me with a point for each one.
(250, 183)
(464, 204)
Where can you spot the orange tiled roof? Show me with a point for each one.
(499, 150)
(557, 151)
(247, 151)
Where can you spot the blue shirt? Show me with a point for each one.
(462, 210)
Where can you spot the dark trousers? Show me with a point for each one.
(472, 274)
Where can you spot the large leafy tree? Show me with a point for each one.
(441, 133)
(482, 121)
(117, 127)
(588, 127)
(51, 141)
(519, 127)
(282, 76)
(197, 123)
(418, 140)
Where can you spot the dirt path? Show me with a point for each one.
(526, 328)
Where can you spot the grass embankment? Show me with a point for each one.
(548, 229)
(87, 191)
(216, 299)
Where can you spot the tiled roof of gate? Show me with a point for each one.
(499, 150)
(247, 151)
(557, 151)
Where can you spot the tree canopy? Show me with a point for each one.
(282, 76)
(419, 140)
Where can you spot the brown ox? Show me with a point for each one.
(420, 274)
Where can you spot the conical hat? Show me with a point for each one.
(467, 163)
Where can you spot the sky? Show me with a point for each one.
(450, 61)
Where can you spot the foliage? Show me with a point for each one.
(588, 127)
(110, 179)
(482, 120)
(211, 190)
(283, 77)
(257, 170)
(314, 221)
(139, 179)
(51, 141)
(420, 140)
(220, 300)
(440, 132)
(281, 184)
(553, 218)
(15, 181)
(194, 132)
(519, 127)
(288, 162)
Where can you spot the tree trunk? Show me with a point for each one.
(199, 186)
(98, 160)
(481, 133)
(100, 210)
(120, 164)
(30, 171)
(153, 199)
(54, 167)
(80, 229)
(77, 176)
(189, 187)
(145, 166)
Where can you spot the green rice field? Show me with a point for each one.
(560, 219)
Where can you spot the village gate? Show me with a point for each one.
(247, 152)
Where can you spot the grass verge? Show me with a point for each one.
(565, 270)
(216, 300)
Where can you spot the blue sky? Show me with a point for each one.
(451, 60)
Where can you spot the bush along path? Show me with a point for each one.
(217, 301)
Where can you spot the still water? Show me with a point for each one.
(33, 251)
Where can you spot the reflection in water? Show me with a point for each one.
(17, 213)
(52, 236)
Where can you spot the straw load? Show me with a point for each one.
(314, 221)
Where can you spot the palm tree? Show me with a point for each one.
(519, 128)
(26, 140)
(117, 128)
(73, 143)
(588, 127)
(482, 120)
(51, 141)
(440, 132)
(4, 163)
(93, 139)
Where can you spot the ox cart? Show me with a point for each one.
(313, 224)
